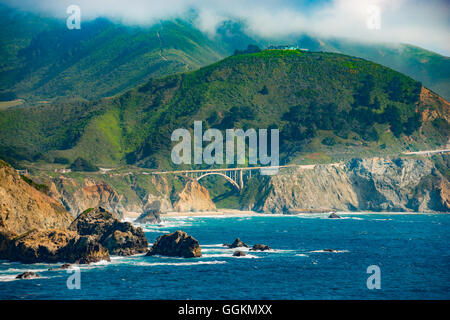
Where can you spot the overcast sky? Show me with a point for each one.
(423, 23)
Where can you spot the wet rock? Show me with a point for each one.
(334, 216)
(329, 250)
(28, 275)
(237, 243)
(238, 253)
(260, 247)
(176, 244)
(51, 246)
(62, 267)
(151, 215)
(120, 238)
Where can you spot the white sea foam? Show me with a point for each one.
(178, 264)
(324, 251)
(229, 255)
(212, 245)
(301, 255)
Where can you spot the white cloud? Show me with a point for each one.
(423, 23)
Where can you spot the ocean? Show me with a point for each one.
(410, 250)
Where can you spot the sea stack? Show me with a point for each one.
(176, 244)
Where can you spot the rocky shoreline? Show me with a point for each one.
(384, 184)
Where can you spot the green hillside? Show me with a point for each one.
(423, 65)
(43, 60)
(327, 106)
(40, 60)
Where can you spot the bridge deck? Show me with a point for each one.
(231, 169)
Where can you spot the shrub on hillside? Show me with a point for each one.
(81, 164)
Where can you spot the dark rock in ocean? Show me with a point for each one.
(329, 250)
(62, 267)
(120, 238)
(238, 253)
(237, 243)
(27, 275)
(334, 216)
(260, 247)
(51, 246)
(176, 244)
(150, 216)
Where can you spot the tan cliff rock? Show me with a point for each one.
(194, 197)
(22, 207)
(91, 193)
(376, 184)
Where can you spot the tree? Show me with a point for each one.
(264, 90)
(81, 164)
(395, 89)
(412, 124)
(362, 96)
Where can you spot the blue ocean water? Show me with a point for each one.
(411, 250)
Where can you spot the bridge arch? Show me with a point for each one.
(234, 183)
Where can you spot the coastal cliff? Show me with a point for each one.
(77, 197)
(23, 207)
(410, 184)
(194, 197)
(126, 198)
(376, 184)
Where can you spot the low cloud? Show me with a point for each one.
(423, 23)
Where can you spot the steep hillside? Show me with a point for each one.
(23, 207)
(430, 68)
(376, 184)
(328, 107)
(42, 59)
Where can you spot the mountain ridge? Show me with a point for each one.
(352, 106)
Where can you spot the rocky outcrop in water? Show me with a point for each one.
(120, 238)
(238, 253)
(51, 246)
(33, 227)
(260, 247)
(194, 197)
(236, 244)
(334, 216)
(151, 215)
(176, 244)
(27, 275)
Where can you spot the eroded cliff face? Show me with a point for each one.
(194, 197)
(94, 192)
(23, 208)
(377, 184)
(91, 193)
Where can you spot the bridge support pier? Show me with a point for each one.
(241, 180)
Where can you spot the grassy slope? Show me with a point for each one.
(41, 59)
